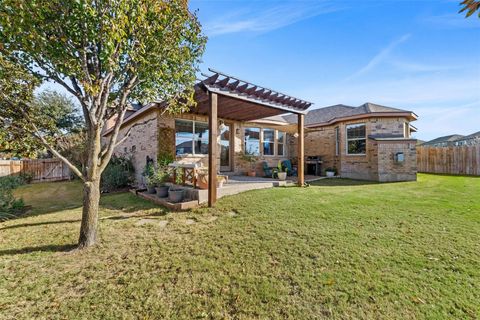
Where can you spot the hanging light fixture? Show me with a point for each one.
(222, 126)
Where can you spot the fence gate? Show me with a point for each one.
(40, 169)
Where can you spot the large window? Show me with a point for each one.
(281, 136)
(252, 141)
(268, 142)
(356, 139)
(191, 137)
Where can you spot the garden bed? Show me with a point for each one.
(180, 206)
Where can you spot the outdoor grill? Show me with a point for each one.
(313, 165)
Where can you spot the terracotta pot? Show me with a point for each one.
(202, 181)
(251, 173)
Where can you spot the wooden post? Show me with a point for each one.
(301, 150)
(212, 149)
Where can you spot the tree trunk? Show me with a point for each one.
(91, 200)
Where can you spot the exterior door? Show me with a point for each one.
(225, 157)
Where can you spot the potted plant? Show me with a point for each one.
(160, 178)
(282, 172)
(331, 172)
(251, 160)
(148, 174)
(175, 193)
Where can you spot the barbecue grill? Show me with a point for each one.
(313, 165)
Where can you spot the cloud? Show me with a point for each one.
(267, 20)
(379, 57)
(452, 21)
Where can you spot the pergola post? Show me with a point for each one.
(301, 150)
(212, 148)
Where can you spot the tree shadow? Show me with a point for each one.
(46, 248)
(22, 225)
(336, 182)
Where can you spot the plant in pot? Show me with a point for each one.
(251, 160)
(148, 174)
(159, 179)
(331, 172)
(282, 171)
(175, 193)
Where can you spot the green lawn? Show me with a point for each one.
(340, 249)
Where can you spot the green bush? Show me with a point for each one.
(118, 174)
(10, 207)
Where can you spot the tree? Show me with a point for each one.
(57, 118)
(471, 6)
(106, 53)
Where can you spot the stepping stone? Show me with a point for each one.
(163, 223)
(211, 219)
(190, 221)
(142, 222)
(231, 214)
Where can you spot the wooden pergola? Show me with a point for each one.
(228, 97)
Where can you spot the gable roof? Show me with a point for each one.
(471, 136)
(331, 114)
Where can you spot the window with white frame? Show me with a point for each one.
(356, 141)
(281, 137)
(252, 141)
(337, 141)
(268, 142)
(191, 137)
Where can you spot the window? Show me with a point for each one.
(268, 142)
(252, 141)
(337, 141)
(191, 137)
(356, 139)
(281, 136)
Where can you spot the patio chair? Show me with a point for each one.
(270, 172)
(291, 171)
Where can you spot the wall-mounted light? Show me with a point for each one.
(296, 134)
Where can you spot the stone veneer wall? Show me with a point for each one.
(388, 169)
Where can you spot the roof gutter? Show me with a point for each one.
(412, 116)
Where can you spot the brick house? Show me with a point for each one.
(266, 123)
(369, 142)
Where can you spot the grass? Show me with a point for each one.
(339, 249)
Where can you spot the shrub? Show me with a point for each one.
(10, 207)
(118, 174)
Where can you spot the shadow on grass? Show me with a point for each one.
(47, 248)
(335, 182)
(44, 223)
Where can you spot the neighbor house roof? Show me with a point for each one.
(470, 136)
(444, 139)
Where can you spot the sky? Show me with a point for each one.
(416, 55)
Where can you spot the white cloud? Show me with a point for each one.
(379, 57)
(452, 21)
(258, 20)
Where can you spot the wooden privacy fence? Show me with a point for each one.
(40, 169)
(449, 160)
